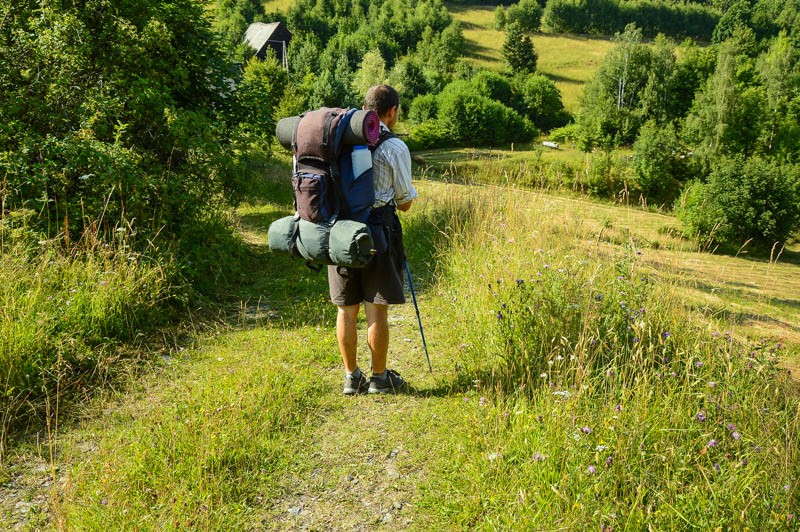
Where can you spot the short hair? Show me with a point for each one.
(381, 99)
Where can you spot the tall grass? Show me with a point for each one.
(603, 399)
(62, 313)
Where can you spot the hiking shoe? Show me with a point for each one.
(392, 382)
(355, 383)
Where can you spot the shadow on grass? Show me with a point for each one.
(275, 287)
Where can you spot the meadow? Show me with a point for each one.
(580, 380)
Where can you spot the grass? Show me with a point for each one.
(552, 416)
(570, 60)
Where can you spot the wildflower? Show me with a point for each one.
(482, 401)
(618, 408)
(701, 416)
(586, 430)
(591, 470)
(716, 467)
(712, 384)
(744, 462)
(520, 282)
(539, 418)
(638, 251)
(715, 334)
(635, 339)
(563, 393)
(698, 364)
(598, 297)
(104, 502)
(731, 426)
(666, 334)
(537, 457)
(713, 443)
(466, 399)
(609, 460)
(735, 435)
(546, 266)
(499, 315)
(543, 375)
(600, 448)
(495, 456)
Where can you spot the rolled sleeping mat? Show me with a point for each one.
(312, 241)
(282, 234)
(364, 127)
(285, 129)
(350, 244)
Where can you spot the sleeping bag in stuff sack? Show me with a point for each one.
(282, 234)
(312, 241)
(350, 244)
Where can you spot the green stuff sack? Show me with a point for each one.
(350, 244)
(312, 241)
(282, 234)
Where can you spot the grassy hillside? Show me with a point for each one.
(248, 429)
(569, 60)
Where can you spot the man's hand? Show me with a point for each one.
(405, 206)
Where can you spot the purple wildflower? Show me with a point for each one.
(537, 457)
(598, 297)
(591, 470)
(666, 334)
(731, 426)
(698, 364)
(701, 416)
(520, 282)
(635, 339)
(499, 315)
(712, 384)
(609, 460)
(104, 502)
(713, 443)
(735, 435)
(744, 461)
(586, 430)
(716, 467)
(618, 408)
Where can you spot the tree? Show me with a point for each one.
(518, 50)
(657, 162)
(539, 99)
(372, 72)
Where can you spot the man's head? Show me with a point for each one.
(385, 101)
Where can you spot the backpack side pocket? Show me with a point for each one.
(312, 196)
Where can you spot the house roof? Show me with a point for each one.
(258, 33)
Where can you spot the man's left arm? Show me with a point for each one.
(404, 191)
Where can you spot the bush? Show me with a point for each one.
(526, 13)
(742, 200)
(430, 134)
(656, 162)
(478, 121)
(423, 108)
(540, 100)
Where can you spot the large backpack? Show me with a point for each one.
(332, 203)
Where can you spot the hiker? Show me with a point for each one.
(380, 283)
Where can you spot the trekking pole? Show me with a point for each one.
(419, 320)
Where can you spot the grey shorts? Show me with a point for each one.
(380, 282)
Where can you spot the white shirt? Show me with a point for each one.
(392, 172)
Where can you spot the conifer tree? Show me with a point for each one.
(518, 50)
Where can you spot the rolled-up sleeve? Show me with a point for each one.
(392, 163)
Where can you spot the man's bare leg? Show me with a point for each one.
(347, 335)
(377, 334)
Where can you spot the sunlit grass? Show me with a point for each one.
(570, 60)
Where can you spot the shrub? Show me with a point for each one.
(477, 120)
(540, 100)
(744, 199)
(423, 108)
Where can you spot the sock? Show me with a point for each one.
(381, 376)
(355, 373)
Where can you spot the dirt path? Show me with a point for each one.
(364, 471)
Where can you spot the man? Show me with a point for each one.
(380, 283)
